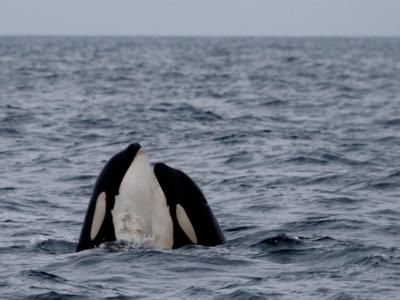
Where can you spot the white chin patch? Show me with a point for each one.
(185, 223)
(99, 214)
(140, 211)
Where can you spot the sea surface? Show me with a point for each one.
(295, 143)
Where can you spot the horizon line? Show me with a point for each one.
(201, 35)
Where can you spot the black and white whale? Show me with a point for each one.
(133, 200)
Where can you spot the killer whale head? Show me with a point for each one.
(134, 200)
(194, 222)
(98, 225)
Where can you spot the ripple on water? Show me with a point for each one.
(52, 246)
(293, 141)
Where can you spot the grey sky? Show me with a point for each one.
(201, 17)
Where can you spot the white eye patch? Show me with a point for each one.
(185, 223)
(99, 214)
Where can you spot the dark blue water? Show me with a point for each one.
(294, 141)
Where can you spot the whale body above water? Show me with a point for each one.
(133, 200)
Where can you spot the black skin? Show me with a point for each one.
(178, 189)
(108, 181)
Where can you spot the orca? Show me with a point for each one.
(135, 201)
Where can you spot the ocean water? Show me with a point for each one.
(295, 142)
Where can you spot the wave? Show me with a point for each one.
(51, 245)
